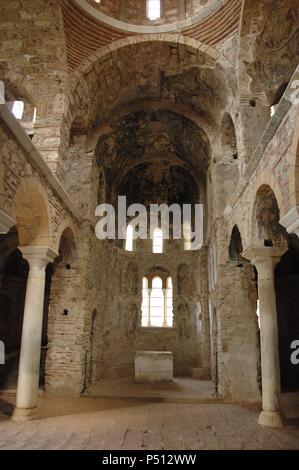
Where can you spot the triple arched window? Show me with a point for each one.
(157, 301)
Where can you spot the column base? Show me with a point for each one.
(24, 414)
(273, 419)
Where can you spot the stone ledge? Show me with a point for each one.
(37, 160)
(277, 119)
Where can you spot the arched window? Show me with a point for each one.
(157, 302)
(153, 9)
(169, 303)
(158, 241)
(129, 238)
(145, 318)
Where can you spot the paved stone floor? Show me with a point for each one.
(88, 423)
(180, 389)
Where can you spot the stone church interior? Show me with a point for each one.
(148, 344)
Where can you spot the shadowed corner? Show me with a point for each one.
(6, 409)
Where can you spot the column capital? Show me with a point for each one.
(6, 222)
(291, 221)
(264, 258)
(38, 256)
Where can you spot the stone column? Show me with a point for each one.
(165, 308)
(265, 259)
(149, 307)
(28, 380)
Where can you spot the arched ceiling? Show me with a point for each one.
(159, 183)
(199, 89)
(153, 139)
(86, 31)
(152, 69)
(148, 134)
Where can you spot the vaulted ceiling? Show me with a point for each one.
(86, 32)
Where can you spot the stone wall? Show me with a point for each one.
(121, 308)
(34, 68)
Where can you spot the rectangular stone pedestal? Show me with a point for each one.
(153, 366)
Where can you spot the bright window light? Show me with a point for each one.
(129, 238)
(145, 319)
(158, 241)
(157, 303)
(187, 236)
(169, 302)
(18, 109)
(153, 9)
(258, 313)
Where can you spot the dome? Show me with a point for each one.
(92, 24)
(153, 12)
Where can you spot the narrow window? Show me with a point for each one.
(153, 9)
(158, 241)
(157, 303)
(145, 318)
(129, 238)
(169, 303)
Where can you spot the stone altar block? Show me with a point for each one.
(153, 366)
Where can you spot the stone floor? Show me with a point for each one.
(89, 423)
(181, 389)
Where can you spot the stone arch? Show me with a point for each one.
(64, 307)
(228, 139)
(235, 248)
(67, 230)
(294, 169)
(15, 90)
(264, 179)
(76, 132)
(32, 212)
(165, 105)
(128, 52)
(266, 230)
(67, 247)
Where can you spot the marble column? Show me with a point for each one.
(38, 258)
(265, 260)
